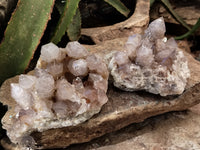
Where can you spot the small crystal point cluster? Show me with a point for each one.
(67, 87)
(150, 62)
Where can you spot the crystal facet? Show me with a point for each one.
(76, 50)
(50, 52)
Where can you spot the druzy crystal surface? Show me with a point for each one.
(67, 87)
(150, 62)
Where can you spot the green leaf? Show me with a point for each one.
(23, 35)
(60, 5)
(194, 28)
(65, 20)
(117, 4)
(74, 28)
(174, 14)
(152, 2)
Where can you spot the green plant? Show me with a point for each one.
(22, 36)
(190, 32)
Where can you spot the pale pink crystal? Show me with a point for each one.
(121, 58)
(27, 81)
(91, 94)
(43, 109)
(132, 44)
(98, 81)
(95, 63)
(50, 52)
(76, 50)
(156, 29)
(45, 85)
(26, 116)
(55, 68)
(78, 84)
(65, 91)
(60, 108)
(78, 67)
(145, 56)
(21, 96)
(102, 97)
(63, 109)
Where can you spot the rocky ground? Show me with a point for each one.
(170, 131)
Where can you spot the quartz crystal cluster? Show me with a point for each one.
(150, 62)
(67, 87)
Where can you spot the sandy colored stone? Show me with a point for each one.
(135, 24)
(188, 10)
(171, 131)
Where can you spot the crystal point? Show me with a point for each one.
(50, 52)
(76, 50)
(78, 67)
(21, 96)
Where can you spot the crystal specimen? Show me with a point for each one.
(150, 62)
(67, 87)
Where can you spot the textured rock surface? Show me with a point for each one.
(182, 9)
(150, 62)
(135, 24)
(174, 131)
(122, 109)
(65, 89)
(171, 131)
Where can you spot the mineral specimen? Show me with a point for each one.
(67, 87)
(150, 62)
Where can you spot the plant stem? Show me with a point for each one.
(174, 14)
(194, 28)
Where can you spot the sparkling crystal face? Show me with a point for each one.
(150, 62)
(67, 83)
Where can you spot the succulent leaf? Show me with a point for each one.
(117, 4)
(74, 28)
(65, 20)
(194, 28)
(22, 36)
(60, 5)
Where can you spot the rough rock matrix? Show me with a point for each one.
(67, 87)
(150, 62)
